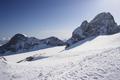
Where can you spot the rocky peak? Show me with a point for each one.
(16, 38)
(102, 24)
(19, 36)
(103, 16)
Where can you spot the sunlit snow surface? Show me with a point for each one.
(98, 59)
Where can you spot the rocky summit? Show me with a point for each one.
(102, 24)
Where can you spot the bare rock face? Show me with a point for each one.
(20, 43)
(102, 24)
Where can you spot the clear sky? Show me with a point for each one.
(44, 18)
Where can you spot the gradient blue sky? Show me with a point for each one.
(44, 18)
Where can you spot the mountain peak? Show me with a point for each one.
(106, 16)
(20, 43)
(18, 35)
(102, 24)
(16, 38)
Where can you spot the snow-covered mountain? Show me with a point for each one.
(102, 24)
(20, 43)
(93, 54)
(98, 59)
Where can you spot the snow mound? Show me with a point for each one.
(101, 66)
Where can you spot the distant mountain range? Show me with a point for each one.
(20, 43)
(102, 24)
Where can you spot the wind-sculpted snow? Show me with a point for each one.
(103, 65)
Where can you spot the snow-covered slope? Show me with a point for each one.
(100, 42)
(98, 59)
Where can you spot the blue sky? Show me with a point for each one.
(44, 18)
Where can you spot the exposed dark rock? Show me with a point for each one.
(29, 58)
